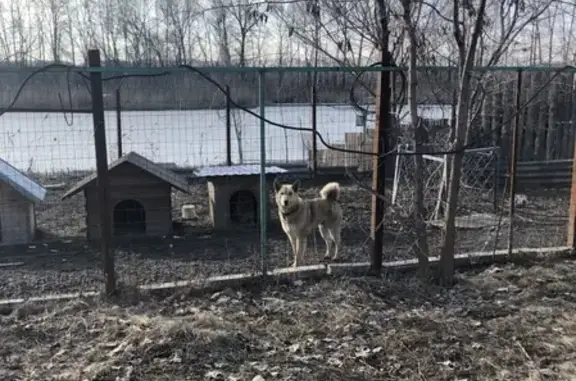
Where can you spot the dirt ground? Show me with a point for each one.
(507, 322)
(64, 262)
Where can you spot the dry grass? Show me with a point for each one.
(502, 323)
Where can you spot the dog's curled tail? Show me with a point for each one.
(330, 191)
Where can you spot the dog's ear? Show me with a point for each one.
(296, 185)
(277, 185)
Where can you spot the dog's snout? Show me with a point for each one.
(285, 202)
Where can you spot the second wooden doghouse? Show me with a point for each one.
(140, 197)
(19, 195)
(234, 193)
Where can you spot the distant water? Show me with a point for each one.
(47, 142)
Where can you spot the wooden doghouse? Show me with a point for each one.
(19, 195)
(234, 193)
(140, 197)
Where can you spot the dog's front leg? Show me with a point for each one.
(297, 249)
(337, 242)
(294, 249)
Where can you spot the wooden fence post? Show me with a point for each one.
(102, 170)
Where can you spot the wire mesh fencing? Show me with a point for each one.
(209, 226)
(193, 159)
(478, 201)
(47, 146)
(544, 151)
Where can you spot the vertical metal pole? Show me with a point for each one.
(314, 94)
(380, 146)
(514, 160)
(314, 102)
(263, 182)
(119, 122)
(572, 213)
(228, 128)
(102, 170)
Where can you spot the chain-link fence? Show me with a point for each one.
(478, 193)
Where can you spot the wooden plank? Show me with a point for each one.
(357, 141)
(545, 171)
(312, 271)
(11, 264)
(564, 177)
(551, 131)
(48, 298)
(531, 121)
(557, 173)
(461, 260)
(540, 129)
(350, 139)
(545, 162)
(507, 119)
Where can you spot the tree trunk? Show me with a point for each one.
(421, 248)
(455, 168)
(466, 60)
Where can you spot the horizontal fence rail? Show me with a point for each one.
(541, 174)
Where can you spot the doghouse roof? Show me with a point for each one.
(237, 170)
(140, 162)
(23, 184)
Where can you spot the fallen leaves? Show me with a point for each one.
(334, 329)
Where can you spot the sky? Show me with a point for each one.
(558, 20)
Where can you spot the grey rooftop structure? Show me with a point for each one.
(23, 184)
(141, 162)
(237, 170)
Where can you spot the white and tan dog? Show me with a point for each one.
(299, 217)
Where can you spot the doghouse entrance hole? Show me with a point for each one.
(243, 207)
(129, 218)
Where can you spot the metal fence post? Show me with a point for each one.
(263, 182)
(514, 159)
(119, 121)
(380, 148)
(102, 170)
(229, 127)
(314, 102)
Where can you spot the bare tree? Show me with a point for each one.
(568, 19)
(71, 16)
(235, 23)
(109, 30)
(179, 17)
(20, 39)
(469, 23)
(15, 41)
(84, 27)
(466, 58)
(343, 31)
(220, 26)
(410, 16)
(54, 16)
